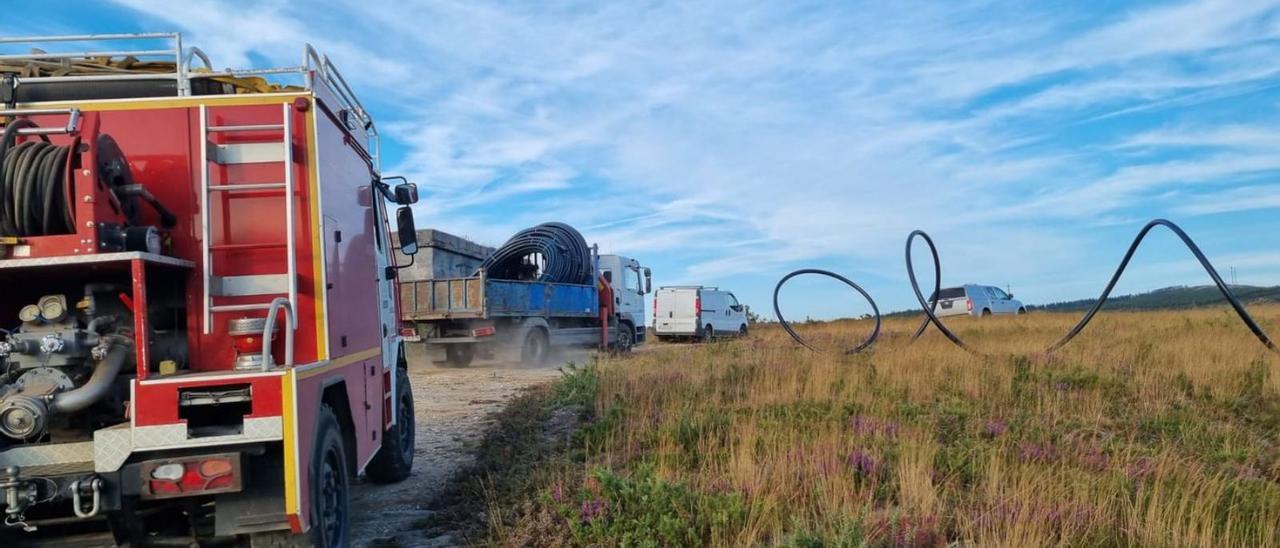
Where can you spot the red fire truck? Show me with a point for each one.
(198, 266)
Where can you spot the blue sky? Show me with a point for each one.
(729, 142)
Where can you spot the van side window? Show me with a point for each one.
(733, 301)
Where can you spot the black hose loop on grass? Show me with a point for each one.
(875, 333)
(927, 306)
(932, 318)
(1204, 262)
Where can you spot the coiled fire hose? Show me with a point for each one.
(932, 318)
(33, 187)
(564, 252)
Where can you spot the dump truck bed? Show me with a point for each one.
(478, 297)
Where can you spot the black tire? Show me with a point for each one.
(459, 355)
(535, 348)
(626, 338)
(330, 485)
(986, 312)
(742, 331)
(394, 459)
(708, 333)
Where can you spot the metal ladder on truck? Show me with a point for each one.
(264, 285)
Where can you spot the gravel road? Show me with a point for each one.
(453, 409)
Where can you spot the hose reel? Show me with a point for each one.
(37, 192)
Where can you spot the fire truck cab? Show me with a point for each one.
(198, 266)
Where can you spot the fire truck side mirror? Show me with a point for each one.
(407, 232)
(406, 194)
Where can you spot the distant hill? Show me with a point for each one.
(1167, 298)
(1172, 297)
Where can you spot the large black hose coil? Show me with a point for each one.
(556, 252)
(33, 185)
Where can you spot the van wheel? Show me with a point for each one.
(742, 331)
(708, 333)
(459, 355)
(1022, 311)
(330, 485)
(986, 312)
(395, 458)
(534, 350)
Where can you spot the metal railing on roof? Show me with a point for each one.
(315, 69)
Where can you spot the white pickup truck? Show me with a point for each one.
(976, 300)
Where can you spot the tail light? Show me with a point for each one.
(655, 307)
(192, 476)
(697, 306)
(968, 305)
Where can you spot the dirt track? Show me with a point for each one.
(453, 408)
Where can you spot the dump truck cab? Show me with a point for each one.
(200, 265)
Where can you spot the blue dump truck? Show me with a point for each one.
(517, 308)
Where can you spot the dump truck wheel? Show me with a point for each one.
(330, 485)
(534, 350)
(394, 460)
(459, 355)
(626, 338)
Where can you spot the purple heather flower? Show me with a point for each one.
(995, 428)
(862, 425)
(593, 509)
(863, 463)
(1140, 468)
(1037, 452)
(1094, 459)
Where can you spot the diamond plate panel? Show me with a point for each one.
(23, 456)
(164, 435)
(111, 446)
(264, 428)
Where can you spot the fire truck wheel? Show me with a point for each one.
(330, 485)
(395, 459)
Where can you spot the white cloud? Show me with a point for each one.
(727, 137)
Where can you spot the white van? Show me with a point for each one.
(976, 300)
(697, 312)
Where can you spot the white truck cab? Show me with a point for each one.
(631, 282)
(698, 312)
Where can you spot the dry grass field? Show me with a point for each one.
(1150, 429)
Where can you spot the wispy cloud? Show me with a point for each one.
(722, 138)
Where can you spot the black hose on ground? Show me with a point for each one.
(33, 185)
(875, 310)
(932, 318)
(565, 257)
